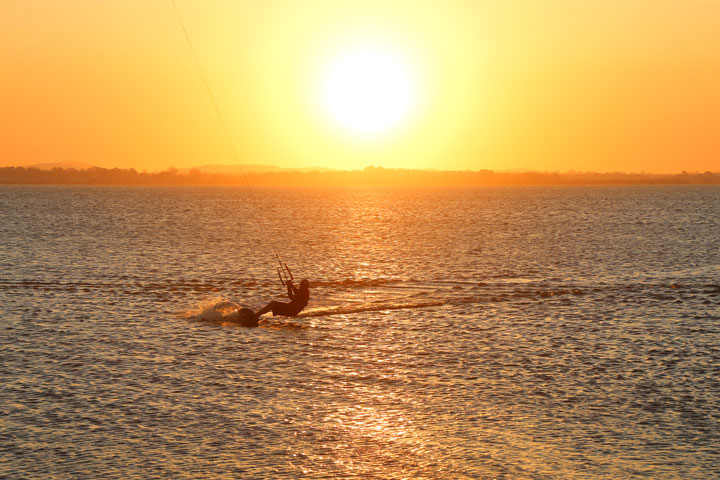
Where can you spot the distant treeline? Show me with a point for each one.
(367, 176)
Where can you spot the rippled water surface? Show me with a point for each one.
(556, 333)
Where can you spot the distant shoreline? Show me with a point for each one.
(369, 176)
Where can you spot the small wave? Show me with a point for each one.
(554, 293)
(283, 325)
(522, 294)
(356, 283)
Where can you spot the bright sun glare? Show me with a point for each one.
(368, 90)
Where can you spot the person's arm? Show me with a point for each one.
(291, 290)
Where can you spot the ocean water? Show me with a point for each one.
(489, 333)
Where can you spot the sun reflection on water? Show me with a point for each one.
(369, 440)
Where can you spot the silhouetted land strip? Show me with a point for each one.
(367, 176)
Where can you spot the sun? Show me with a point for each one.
(368, 90)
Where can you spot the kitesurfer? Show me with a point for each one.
(299, 297)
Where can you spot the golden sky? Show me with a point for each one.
(601, 85)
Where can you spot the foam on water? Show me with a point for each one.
(221, 311)
(215, 309)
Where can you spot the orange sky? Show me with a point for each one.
(602, 85)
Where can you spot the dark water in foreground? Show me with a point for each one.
(573, 333)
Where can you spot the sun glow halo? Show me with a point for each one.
(368, 90)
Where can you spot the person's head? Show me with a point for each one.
(305, 284)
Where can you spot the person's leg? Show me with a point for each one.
(265, 309)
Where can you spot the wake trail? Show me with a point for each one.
(344, 310)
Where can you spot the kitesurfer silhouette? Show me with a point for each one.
(299, 297)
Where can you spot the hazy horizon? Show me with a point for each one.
(370, 176)
(268, 168)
